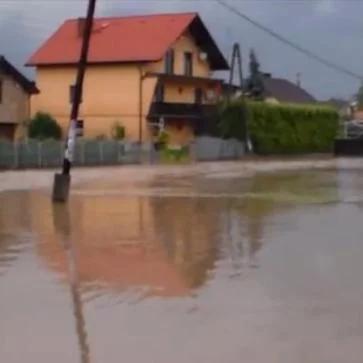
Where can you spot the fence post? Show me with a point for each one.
(83, 156)
(100, 147)
(118, 151)
(39, 154)
(16, 155)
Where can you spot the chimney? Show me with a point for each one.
(81, 24)
(298, 79)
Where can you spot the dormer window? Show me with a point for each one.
(169, 62)
(188, 64)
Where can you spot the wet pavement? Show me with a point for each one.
(191, 269)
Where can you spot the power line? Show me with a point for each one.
(104, 1)
(290, 43)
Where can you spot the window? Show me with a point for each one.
(159, 93)
(72, 93)
(169, 62)
(80, 128)
(198, 96)
(188, 64)
(1, 91)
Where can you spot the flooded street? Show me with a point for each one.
(185, 269)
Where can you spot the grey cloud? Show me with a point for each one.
(330, 28)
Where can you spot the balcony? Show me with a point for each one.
(204, 118)
(187, 111)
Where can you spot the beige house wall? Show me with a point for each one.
(112, 92)
(15, 104)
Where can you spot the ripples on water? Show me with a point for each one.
(184, 270)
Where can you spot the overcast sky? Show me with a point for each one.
(331, 28)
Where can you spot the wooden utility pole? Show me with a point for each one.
(236, 57)
(62, 180)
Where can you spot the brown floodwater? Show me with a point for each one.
(198, 269)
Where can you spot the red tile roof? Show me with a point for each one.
(8, 68)
(125, 39)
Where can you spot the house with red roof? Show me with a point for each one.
(147, 73)
(15, 94)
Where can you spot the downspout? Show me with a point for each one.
(141, 78)
(28, 116)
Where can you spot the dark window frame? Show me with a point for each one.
(170, 61)
(1, 91)
(188, 64)
(159, 92)
(80, 128)
(198, 96)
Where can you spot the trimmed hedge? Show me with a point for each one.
(286, 128)
(233, 120)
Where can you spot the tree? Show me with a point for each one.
(360, 97)
(255, 81)
(254, 65)
(44, 126)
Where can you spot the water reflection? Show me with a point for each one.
(63, 229)
(253, 265)
(156, 246)
(159, 246)
(15, 220)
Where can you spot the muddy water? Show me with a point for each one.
(267, 269)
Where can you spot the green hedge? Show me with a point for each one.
(233, 116)
(285, 128)
(43, 126)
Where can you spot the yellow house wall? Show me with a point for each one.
(112, 92)
(177, 91)
(180, 135)
(184, 43)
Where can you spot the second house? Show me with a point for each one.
(145, 72)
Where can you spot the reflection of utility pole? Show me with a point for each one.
(234, 237)
(62, 224)
(62, 181)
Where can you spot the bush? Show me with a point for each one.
(118, 131)
(44, 126)
(233, 120)
(288, 129)
(169, 155)
(162, 140)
